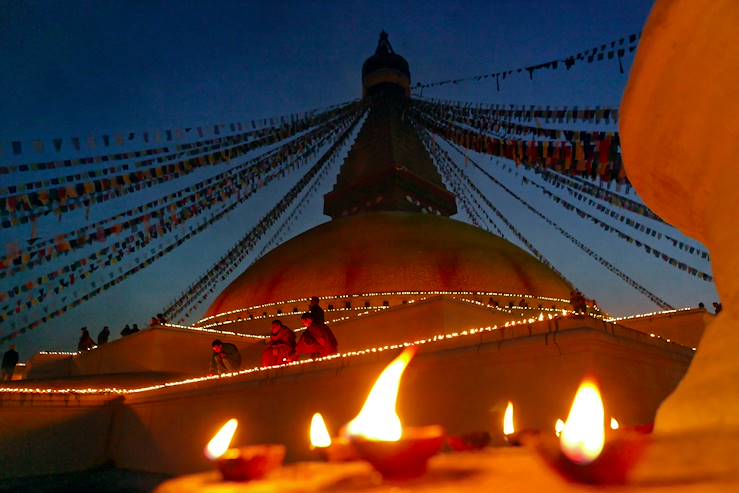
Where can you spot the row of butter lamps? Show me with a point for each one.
(581, 453)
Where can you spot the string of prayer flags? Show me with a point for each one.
(615, 49)
(237, 253)
(178, 206)
(117, 251)
(629, 239)
(64, 198)
(612, 268)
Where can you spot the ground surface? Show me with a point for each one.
(106, 479)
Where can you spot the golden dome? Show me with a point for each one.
(389, 251)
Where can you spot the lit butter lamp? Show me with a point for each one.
(469, 441)
(379, 438)
(512, 436)
(243, 463)
(333, 450)
(584, 454)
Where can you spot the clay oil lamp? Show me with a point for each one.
(333, 450)
(243, 463)
(378, 436)
(515, 438)
(469, 441)
(584, 453)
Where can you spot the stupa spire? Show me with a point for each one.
(388, 168)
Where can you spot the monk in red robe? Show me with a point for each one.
(281, 345)
(317, 340)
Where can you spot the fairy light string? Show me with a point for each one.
(432, 340)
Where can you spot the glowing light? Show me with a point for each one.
(378, 419)
(508, 427)
(256, 369)
(382, 294)
(614, 424)
(558, 427)
(583, 437)
(218, 445)
(319, 435)
(650, 314)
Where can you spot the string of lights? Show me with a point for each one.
(381, 294)
(651, 314)
(258, 369)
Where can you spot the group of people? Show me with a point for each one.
(157, 319)
(86, 341)
(283, 346)
(717, 307)
(316, 340)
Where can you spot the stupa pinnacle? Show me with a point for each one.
(388, 169)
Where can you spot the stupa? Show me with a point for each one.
(391, 268)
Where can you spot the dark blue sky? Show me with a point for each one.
(73, 67)
(80, 68)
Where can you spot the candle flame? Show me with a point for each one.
(319, 435)
(508, 427)
(558, 427)
(378, 419)
(614, 424)
(218, 445)
(583, 437)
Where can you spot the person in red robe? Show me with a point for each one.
(281, 345)
(317, 340)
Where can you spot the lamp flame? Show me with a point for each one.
(508, 428)
(378, 419)
(614, 424)
(558, 427)
(218, 445)
(583, 436)
(319, 435)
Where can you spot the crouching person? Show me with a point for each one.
(317, 340)
(281, 345)
(225, 358)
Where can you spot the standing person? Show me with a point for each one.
(281, 345)
(316, 311)
(103, 336)
(225, 357)
(317, 340)
(85, 341)
(10, 359)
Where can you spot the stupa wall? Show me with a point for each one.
(684, 327)
(161, 349)
(164, 431)
(43, 434)
(536, 365)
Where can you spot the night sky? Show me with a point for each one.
(81, 68)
